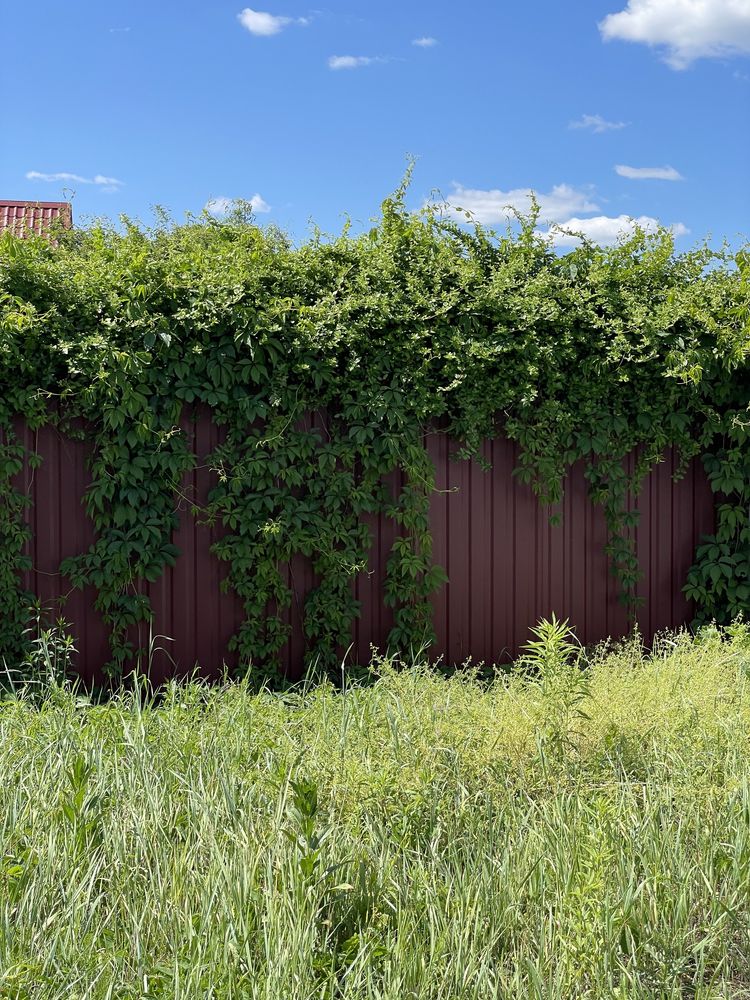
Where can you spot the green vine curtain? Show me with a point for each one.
(418, 323)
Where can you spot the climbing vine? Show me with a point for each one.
(14, 535)
(324, 365)
(719, 581)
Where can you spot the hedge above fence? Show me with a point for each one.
(416, 323)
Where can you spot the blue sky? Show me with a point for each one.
(313, 111)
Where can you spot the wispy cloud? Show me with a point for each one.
(685, 30)
(118, 31)
(222, 205)
(64, 177)
(426, 42)
(604, 230)
(494, 205)
(595, 123)
(354, 62)
(264, 24)
(649, 173)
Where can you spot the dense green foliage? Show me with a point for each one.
(326, 363)
(582, 834)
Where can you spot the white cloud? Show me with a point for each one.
(685, 29)
(596, 123)
(222, 205)
(493, 206)
(649, 173)
(260, 205)
(218, 206)
(353, 62)
(259, 22)
(605, 230)
(34, 175)
(426, 42)
(106, 183)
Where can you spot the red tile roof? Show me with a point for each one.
(22, 217)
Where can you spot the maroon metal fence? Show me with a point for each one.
(507, 565)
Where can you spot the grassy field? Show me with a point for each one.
(579, 834)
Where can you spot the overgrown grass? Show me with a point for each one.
(577, 835)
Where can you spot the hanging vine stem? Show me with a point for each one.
(14, 535)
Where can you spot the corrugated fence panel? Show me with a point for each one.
(507, 565)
